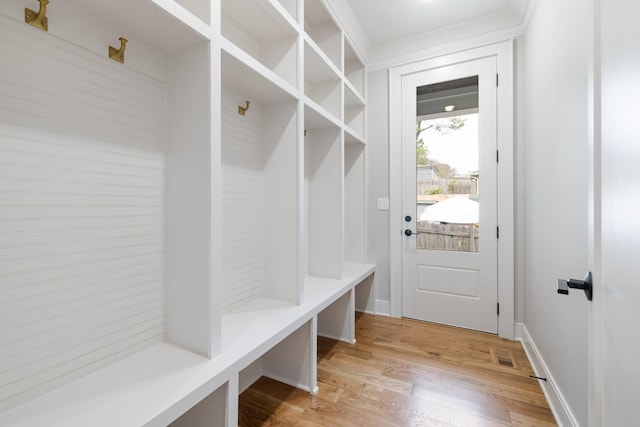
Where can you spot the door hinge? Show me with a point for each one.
(497, 232)
(497, 156)
(498, 308)
(497, 80)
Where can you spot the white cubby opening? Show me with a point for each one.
(321, 83)
(354, 184)
(291, 361)
(210, 411)
(321, 28)
(263, 32)
(353, 68)
(353, 111)
(323, 196)
(337, 321)
(259, 189)
(95, 169)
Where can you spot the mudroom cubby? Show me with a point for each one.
(320, 27)
(353, 111)
(180, 220)
(322, 84)
(353, 68)
(323, 196)
(96, 188)
(259, 197)
(266, 31)
(354, 182)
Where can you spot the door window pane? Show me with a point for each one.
(447, 168)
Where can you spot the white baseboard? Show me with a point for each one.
(383, 308)
(557, 402)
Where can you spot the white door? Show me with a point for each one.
(615, 341)
(449, 195)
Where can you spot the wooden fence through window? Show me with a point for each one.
(447, 237)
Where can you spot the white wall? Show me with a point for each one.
(378, 183)
(554, 84)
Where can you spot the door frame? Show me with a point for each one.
(503, 52)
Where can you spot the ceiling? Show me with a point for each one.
(462, 94)
(388, 21)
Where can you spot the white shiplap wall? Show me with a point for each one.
(81, 211)
(242, 202)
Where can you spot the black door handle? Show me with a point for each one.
(408, 232)
(586, 284)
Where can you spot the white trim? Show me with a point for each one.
(597, 340)
(558, 404)
(342, 13)
(383, 308)
(504, 55)
(526, 16)
(435, 48)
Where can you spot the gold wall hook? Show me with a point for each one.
(38, 20)
(242, 110)
(118, 54)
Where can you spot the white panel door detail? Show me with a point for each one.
(450, 259)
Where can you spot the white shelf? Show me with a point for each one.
(353, 110)
(316, 117)
(353, 68)
(321, 82)
(247, 75)
(252, 329)
(164, 24)
(266, 31)
(321, 292)
(321, 28)
(152, 387)
(351, 137)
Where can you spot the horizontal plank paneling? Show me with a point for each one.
(242, 202)
(82, 211)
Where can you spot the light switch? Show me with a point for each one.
(383, 203)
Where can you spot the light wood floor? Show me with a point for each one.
(407, 373)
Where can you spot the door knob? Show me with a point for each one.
(408, 232)
(586, 284)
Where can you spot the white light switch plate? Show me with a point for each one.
(383, 203)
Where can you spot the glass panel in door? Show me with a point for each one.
(447, 175)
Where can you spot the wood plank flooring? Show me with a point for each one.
(407, 373)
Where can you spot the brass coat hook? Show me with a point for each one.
(118, 54)
(242, 110)
(38, 20)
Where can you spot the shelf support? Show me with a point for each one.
(118, 54)
(38, 20)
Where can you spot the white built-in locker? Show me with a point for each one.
(175, 226)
